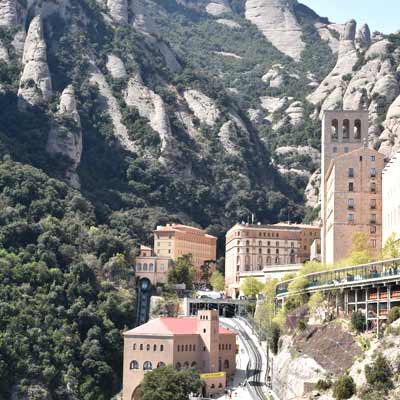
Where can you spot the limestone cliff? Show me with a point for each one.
(8, 13)
(118, 10)
(35, 86)
(277, 21)
(65, 136)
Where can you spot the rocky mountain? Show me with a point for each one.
(119, 115)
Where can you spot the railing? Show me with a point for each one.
(339, 276)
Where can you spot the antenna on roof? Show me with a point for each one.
(252, 218)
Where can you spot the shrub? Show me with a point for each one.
(357, 321)
(379, 374)
(302, 325)
(323, 385)
(344, 388)
(394, 314)
(273, 337)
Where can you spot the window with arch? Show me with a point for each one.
(134, 365)
(138, 267)
(160, 364)
(179, 348)
(134, 346)
(194, 364)
(259, 251)
(147, 366)
(357, 129)
(141, 347)
(151, 267)
(185, 365)
(186, 347)
(247, 242)
(154, 347)
(334, 129)
(260, 243)
(226, 364)
(148, 347)
(277, 260)
(178, 366)
(220, 385)
(190, 347)
(161, 347)
(144, 267)
(346, 129)
(269, 260)
(212, 386)
(247, 263)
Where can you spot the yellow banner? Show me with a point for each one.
(212, 375)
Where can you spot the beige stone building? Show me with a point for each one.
(342, 132)
(152, 267)
(351, 189)
(190, 342)
(353, 202)
(265, 251)
(391, 199)
(176, 240)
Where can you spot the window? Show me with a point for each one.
(346, 129)
(160, 364)
(351, 173)
(277, 244)
(334, 129)
(351, 187)
(350, 204)
(269, 251)
(260, 243)
(169, 251)
(194, 364)
(335, 149)
(373, 204)
(346, 149)
(247, 243)
(144, 267)
(373, 243)
(350, 218)
(277, 251)
(226, 364)
(247, 250)
(194, 347)
(373, 187)
(134, 346)
(179, 347)
(178, 366)
(141, 347)
(147, 366)
(138, 267)
(373, 229)
(148, 347)
(186, 347)
(357, 129)
(151, 267)
(161, 347)
(134, 365)
(190, 347)
(372, 158)
(260, 251)
(155, 347)
(373, 172)
(185, 365)
(204, 330)
(373, 218)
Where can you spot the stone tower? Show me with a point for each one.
(342, 132)
(208, 329)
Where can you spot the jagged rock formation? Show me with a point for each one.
(202, 107)
(363, 37)
(229, 22)
(169, 57)
(329, 95)
(35, 84)
(295, 113)
(65, 136)
(8, 13)
(325, 32)
(311, 193)
(118, 10)
(110, 105)
(4, 53)
(225, 134)
(390, 137)
(277, 21)
(116, 67)
(212, 7)
(274, 77)
(149, 105)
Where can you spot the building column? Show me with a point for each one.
(356, 299)
(366, 308)
(346, 302)
(378, 305)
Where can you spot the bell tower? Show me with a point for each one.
(208, 329)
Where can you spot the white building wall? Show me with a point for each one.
(391, 199)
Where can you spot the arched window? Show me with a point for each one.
(194, 364)
(247, 242)
(226, 364)
(185, 364)
(138, 267)
(357, 129)
(238, 260)
(134, 346)
(154, 347)
(346, 129)
(334, 129)
(144, 267)
(277, 260)
(220, 385)
(194, 347)
(148, 347)
(178, 366)
(186, 347)
(179, 347)
(151, 267)
(247, 263)
(190, 347)
(134, 365)
(212, 386)
(147, 366)
(260, 243)
(269, 260)
(160, 364)
(161, 347)
(141, 347)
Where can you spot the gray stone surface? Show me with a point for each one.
(118, 10)
(203, 107)
(115, 67)
(8, 13)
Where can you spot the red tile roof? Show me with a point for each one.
(171, 326)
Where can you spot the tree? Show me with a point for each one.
(205, 270)
(251, 287)
(391, 249)
(360, 250)
(357, 321)
(344, 388)
(181, 271)
(394, 315)
(379, 374)
(217, 281)
(166, 383)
